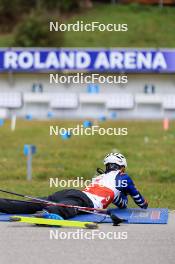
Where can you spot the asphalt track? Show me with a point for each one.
(25, 244)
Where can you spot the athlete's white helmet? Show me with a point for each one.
(115, 158)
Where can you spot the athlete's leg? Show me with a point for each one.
(10, 206)
(69, 197)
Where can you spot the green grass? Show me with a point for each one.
(6, 40)
(149, 26)
(150, 164)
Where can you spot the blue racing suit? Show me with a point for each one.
(126, 187)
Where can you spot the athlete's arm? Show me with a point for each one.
(121, 201)
(135, 194)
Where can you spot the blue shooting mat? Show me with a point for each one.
(141, 216)
(131, 215)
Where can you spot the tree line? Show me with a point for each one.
(28, 20)
(13, 11)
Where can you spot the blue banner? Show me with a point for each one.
(90, 60)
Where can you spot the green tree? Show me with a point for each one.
(65, 5)
(33, 31)
(8, 10)
(12, 11)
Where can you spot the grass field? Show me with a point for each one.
(149, 26)
(150, 162)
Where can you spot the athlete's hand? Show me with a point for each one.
(145, 205)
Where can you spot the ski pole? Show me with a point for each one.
(54, 203)
(102, 212)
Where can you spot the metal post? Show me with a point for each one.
(29, 151)
(29, 165)
(13, 122)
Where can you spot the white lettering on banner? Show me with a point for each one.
(52, 60)
(67, 60)
(144, 60)
(10, 60)
(116, 60)
(25, 60)
(81, 60)
(102, 61)
(38, 63)
(130, 60)
(159, 61)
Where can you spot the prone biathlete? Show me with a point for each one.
(112, 186)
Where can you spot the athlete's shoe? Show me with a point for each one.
(47, 215)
